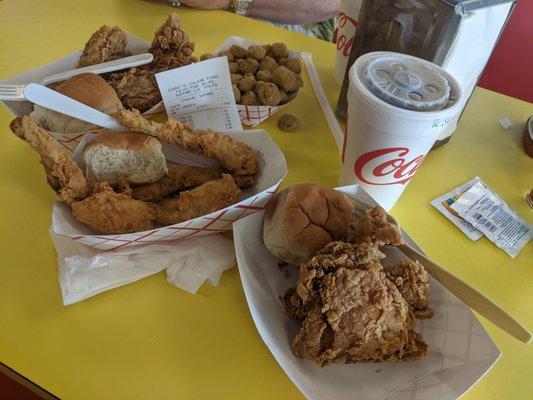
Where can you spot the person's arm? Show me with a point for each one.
(288, 11)
(295, 11)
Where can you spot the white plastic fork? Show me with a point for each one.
(466, 293)
(15, 91)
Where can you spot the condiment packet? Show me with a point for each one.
(444, 205)
(201, 95)
(487, 212)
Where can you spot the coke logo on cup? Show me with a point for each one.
(386, 166)
(344, 43)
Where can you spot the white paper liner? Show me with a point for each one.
(272, 169)
(69, 140)
(253, 115)
(460, 350)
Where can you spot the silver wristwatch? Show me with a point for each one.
(241, 7)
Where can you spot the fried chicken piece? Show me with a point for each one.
(351, 312)
(331, 257)
(137, 88)
(204, 199)
(412, 281)
(62, 173)
(171, 46)
(244, 181)
(299, 300)
(179, 177)
(106, 44)
(109, 212)
(235, 156)
(375, 228)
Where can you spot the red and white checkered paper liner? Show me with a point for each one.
(460, 350)
(69, 140)
(253, 115)
(272, 170)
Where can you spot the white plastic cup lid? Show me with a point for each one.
(406, 82)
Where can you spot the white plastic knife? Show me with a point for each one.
(55, 101)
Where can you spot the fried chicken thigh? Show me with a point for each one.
(106, 44)
(350, 311)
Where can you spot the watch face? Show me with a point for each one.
(243, 7)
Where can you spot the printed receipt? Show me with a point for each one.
(201, 95)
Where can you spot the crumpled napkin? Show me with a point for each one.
(85, 272)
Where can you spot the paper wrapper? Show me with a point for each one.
(272, 169)
(69, 140)
(460, 350)
(84, 272)
(254, 115)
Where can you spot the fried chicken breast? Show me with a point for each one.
(350, 311)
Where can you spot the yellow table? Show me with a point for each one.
(149, 340)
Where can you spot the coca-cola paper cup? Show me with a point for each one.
(397, 107)
(345, 34)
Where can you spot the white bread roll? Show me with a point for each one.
(302, 219)
(124, 156)
(89, 89)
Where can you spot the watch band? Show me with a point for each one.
(241, 7)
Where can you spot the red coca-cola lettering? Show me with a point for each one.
(390, 162)
(343, 42)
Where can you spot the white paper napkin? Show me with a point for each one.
(85, 272)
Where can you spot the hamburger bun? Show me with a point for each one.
(302, 219)
(124, 156)
(89, 89)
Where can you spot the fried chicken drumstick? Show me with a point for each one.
(63, 174)
(236, 157)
